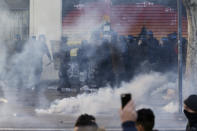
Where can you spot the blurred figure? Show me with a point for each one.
(19, 44)
(134, 55)
(172, 41)
(104, 70)
(190, 111)
(64, 56)
(83, 60)
(145, 120)
(40, 49)
(142, 35)
(117, 63)
(164, 54)
(33, 37)
(45, 50)
(153, 45)
(124, 53)
(142, 42)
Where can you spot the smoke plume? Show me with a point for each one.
(17, 69)
(142, 87)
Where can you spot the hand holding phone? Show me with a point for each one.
(128, 112)
(125, 98)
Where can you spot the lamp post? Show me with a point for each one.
(180, 58)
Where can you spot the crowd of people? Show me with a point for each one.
(101, 61)
(109, 62)
(119, 59)
(140, 120)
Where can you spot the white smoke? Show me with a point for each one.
(84, 25)
(91, 19)
(17, 70)
(107, 100)
(4, 32)
(5, 22)
(171, 107)
(143, 87)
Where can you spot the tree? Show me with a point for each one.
(191, 66)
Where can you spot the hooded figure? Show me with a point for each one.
(190, 111)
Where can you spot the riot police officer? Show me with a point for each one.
(64, 56)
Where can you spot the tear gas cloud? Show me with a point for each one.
(6, 21)
(17, 70)
(91, 19)
(4, 32)
(145, 88)
(84, 25)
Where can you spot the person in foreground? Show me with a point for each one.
(86, 122)
(142, 120)
(145, 120)
(190, 111)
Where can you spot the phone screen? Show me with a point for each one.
(125, 98)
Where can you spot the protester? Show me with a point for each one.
(190, 111)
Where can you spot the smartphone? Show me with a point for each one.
(125, 98)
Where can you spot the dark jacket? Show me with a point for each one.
(128, 126)
(191, 128)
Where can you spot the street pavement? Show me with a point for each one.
(20, 114)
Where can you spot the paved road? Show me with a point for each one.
(20, 114)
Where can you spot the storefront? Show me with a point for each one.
(80, 19)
